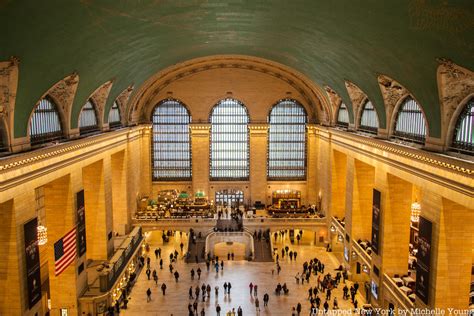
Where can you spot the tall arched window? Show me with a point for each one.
(229, 141)
(171, 145)
(464, 132)
(45, 124)
(88, 119)
(410, 122)
(114, 116)
(342, 116)
(369, 121)
(287, 141)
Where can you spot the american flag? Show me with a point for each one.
(64, 252)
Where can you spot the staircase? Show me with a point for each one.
(196, 249)
(263, 251)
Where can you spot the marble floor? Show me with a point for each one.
(239, 273)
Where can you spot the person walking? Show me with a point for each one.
(216, 291)
(148, 295)
(199, 273)
(176, 275)
(229, 286)
(161, 264)
(163, 288)
(218, 309)
(192, 274)
(155, 278)
(148, 272)
(257, 306)
(239, 311)
(225, 287)
(190, 292)
(203, 313)
(298, 309)
(266, 298)
(251, 288)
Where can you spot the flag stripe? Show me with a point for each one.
(65, 251)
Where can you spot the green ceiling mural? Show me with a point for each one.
(329, 41)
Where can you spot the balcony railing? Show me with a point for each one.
(402, 299)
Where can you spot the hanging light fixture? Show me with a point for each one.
(415, 212)
(42, 233)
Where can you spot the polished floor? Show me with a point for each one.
(239, 273)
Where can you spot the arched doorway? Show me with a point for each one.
(224, 250)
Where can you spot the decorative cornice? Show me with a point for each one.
(443, 162)
(22, 160)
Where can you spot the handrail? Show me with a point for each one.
(361, 253)
(338, 226)
(399, 295)
(118, 262)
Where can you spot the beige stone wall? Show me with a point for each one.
(62, 171)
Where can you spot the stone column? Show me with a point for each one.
(396, 199)
(362, 190)
(451, 252)
(312, 165)
(11, 275)
(121, 216)
(200, 156)
(61, 218)
(98, 211)
(258, 162)
(338, 181)
(144, 176)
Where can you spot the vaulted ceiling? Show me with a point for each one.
(328, 41)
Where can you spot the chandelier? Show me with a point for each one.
(415, 212)
(42, 233)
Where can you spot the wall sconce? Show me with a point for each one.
(332, 229)
(340, 238)
(365, 268)
(42, 233)
(354, 254)
(415, 212)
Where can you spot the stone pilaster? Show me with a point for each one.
(338, 183)
(258, 159)
(61, 218)
(200, 150)
(121, 217)
(97, 211)
(312, 165)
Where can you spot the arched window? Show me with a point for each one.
(171, 146)
(342, 116)
(114, 116)
(88, 119)
(287, 141)
(410, 122)
(45, 125)
(369, 121)
(464, 132)
(229, 141)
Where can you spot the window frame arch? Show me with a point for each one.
(462, 109)
(43, 138)
(213, 170)
(187, 169)
(89, 129)
(287, 177)
(395, 116)
(340, 123)
(364, 128)
(115, 124)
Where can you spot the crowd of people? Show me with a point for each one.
(320, 294)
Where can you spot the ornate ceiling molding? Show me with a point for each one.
(313, 95)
